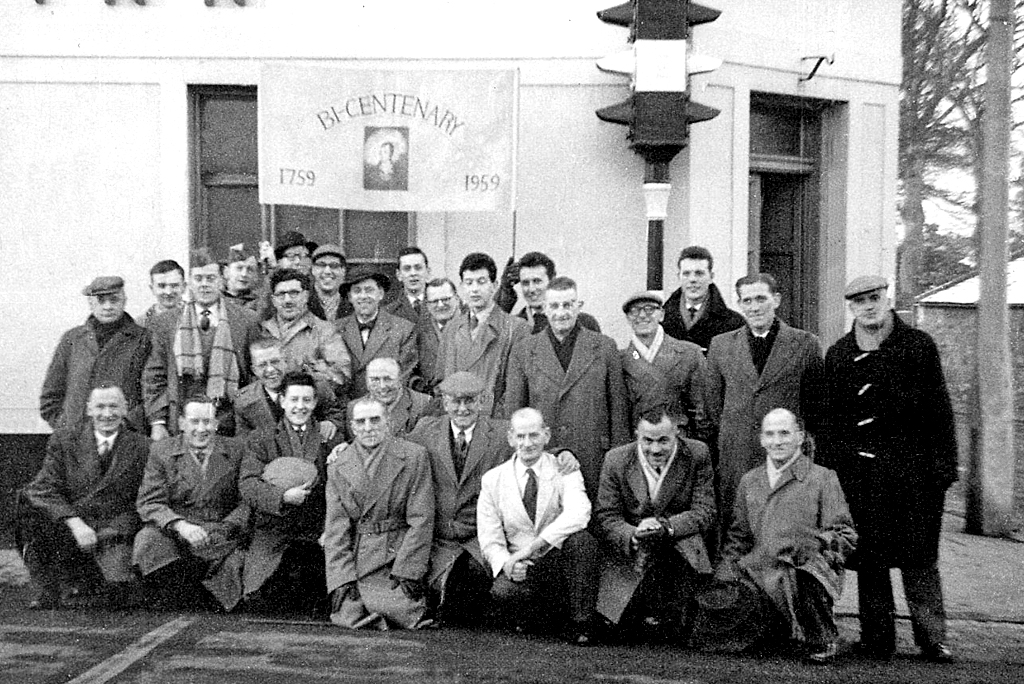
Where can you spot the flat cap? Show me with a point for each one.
(862, 284)
(237, 253)
(103, 285)
(461, 384)
(642, 296)
(328, 250)
(288, 471)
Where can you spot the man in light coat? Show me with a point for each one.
(379, 526)
(765, 364)
(791, 533)
(531, 520)
(196, 524)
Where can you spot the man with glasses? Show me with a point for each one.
(293, 250)
(442, 305)
(661, 370)
(325, 301)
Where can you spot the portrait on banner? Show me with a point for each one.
(385, 158)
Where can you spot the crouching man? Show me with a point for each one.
(531, 521)
(379, 525)
(655, 505)
(196, 521)
(77, 517)
(791, 534)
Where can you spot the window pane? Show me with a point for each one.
(228, 129)
(375, 235)
(233, 216)
(322, 226)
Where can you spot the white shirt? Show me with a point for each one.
(103, 439)
(214, 312)
(467, 431)
(521, 478)
(775, 472)
(654, 479)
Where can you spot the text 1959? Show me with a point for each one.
(297, 177)
(482, 183)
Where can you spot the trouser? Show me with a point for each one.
(666, 593)
(564, 581)
(923, 589)
(813, 607)
(466, 592)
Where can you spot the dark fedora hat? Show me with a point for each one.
(361, 272)
(292, 238)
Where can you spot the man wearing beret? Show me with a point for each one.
(889, 434)
(203, 349)
(326, 300)
(196, 523)
(285, 563)
(463, 445)
(108, 348)
(370, 332)
(661, 370)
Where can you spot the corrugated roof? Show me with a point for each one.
(966, 292)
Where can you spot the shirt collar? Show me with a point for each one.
(100, 438)
(468, 431)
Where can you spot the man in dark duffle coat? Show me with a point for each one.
(196, 523)
(889, 434)
(654, 511)
(463, 445)
(77, 516)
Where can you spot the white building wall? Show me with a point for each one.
(94, 140)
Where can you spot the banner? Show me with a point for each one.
(381, 140)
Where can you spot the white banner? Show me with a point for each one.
(380, 140)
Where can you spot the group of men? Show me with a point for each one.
(435, 458)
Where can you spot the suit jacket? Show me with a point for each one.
(69, 484)
(739, 398)
(716, 319)
(802, 524)
(676, 379)
(456, 496)
(586, 407)
(383, 524)
(391, 337)
(253, 413)
(686, 498)
(176, 488)
(78, 365)
(502, 524)
(401, 307)
(486, 357)
(428, 340)
(160, 380)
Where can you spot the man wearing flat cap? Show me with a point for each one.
(661, 370)
(889, 434)
(370, 332)
(326, 301)
(242, 278)
(462, 445)
(108, 348)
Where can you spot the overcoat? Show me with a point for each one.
(391, 337)
(586, 407)
(176, 488)
(455, 496)
(486, 357)
(403, 414)
(777, 532)
(160, 378)
(889, 434)
(686, 498)
(739, 398)
(428, 340)
(277, 524)
(79, 365)
(308, 341)
(377, 529)
(717, 319)
(677, 379)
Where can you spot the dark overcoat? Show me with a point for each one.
(586, 406)
(717, 319)
(739, 398)
(391, 337)
(889, 434)
(79, 365)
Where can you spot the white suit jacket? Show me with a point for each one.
(502, 525)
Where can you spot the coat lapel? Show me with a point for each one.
(480, 445)
(378, 336)
(742, 358)
(673, 479)
(781, 355)
(546, 360)
(354, 341)
(217, 468)
(637, 482)
(583, 355)
(442, 445)
(391, 467)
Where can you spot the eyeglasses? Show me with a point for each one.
(292, 294)
(441, 300)
(649, 310)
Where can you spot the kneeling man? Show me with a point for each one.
(791, 534)
(380, 521)
(196, 521)
(655, 505)
(531, 523)
(78, 517)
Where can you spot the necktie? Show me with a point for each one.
(204, 320)
(459, 457)
(103, 449)
(530, 494)
(693, 312)
(364, 331)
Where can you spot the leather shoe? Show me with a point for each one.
(823, 654)
(938, 653)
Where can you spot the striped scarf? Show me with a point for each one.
(222, 380)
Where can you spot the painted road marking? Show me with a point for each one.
(119, 662)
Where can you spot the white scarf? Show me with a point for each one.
(650, 352)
